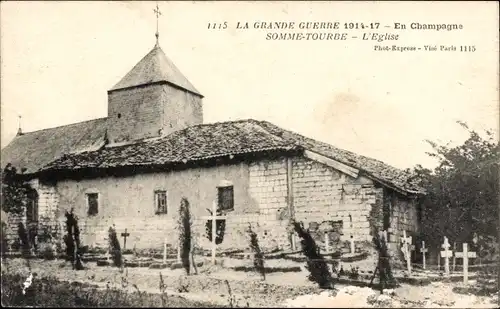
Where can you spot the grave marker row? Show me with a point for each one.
(406, 248)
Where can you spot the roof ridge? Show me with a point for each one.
(172, 63)
(222, 122)
(134, 66)
(64, 125)
(265, 129)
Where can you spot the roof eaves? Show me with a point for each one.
(158, 82)
(52, 166)
(399, 189)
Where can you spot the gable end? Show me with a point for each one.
(353, 172)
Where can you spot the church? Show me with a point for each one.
(132, 168)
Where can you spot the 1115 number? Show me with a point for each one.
(468, 48)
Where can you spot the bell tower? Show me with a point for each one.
(154, 99)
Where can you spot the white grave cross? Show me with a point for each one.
(466, 255)
(214, 218)
(353, 247)
(423, 250)
(406, 248)
(383, 235)
(108, 257)
(446, 254)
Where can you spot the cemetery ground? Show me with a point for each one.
(233, 282)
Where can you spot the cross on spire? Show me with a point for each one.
(19, 130)
(157, 13)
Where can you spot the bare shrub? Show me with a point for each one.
(72, 240)
(258, 258)
(115, 248)
(185, 233)
(318, 269)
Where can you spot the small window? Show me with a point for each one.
(160, 202)
(226, 198)
(93, 203)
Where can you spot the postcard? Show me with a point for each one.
(250, 154)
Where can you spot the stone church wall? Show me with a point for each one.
(47, 211)
(12, 221)
(404, 217)
(128, 202)
(321, 195)
(48, 201)
(259, 194)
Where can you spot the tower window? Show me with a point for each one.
(119, 115)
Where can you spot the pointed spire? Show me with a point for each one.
(157, 13)
(155, 67)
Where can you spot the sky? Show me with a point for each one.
(58, 59)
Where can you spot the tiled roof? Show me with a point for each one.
(375, 168)
(155, 67)
(194, 143)
(33, 150)
(221, 139)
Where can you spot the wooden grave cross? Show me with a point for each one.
(423, 250)
(446, 254)
(125, 235)
(439, 261)
(466, 255)
(407, 248)
(214, 218)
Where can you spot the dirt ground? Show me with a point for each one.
(291, 289)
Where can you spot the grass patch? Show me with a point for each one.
(477, 290)
(49, 292)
